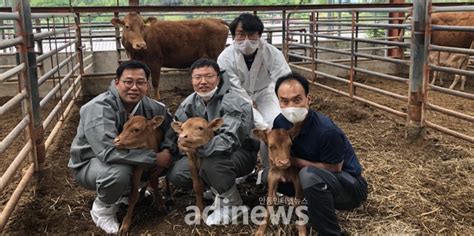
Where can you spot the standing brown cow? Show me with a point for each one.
(175, 44)
(458, 39)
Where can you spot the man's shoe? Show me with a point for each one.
(227, 207)
(104, 216)
(243, 179)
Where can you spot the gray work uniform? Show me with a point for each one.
(96, 163)
(230, 154)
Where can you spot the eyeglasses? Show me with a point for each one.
(138, 83)
(207, 77)
(241, 35)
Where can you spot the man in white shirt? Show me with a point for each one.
(252, 66)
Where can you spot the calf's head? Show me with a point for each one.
(138, 132)
(134, 29)
(196, 131)
(279, 144)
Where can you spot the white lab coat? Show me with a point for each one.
(257, 86)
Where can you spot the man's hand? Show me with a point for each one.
(163, 159)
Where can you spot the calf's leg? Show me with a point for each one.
(198, 186)
(133, 199)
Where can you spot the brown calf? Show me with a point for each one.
(279, 144)
(448, 59)
(194, 133)
(138, 132)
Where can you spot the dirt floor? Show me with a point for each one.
(416, 186)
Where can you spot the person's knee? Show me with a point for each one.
(178, 177)
(309, 178)
(111, 185)
(217, 178)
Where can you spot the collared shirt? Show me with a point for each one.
(320, 140)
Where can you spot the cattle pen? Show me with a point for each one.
(357, 56)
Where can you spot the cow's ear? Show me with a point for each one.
(260, 134)
(157, 121)
(117, 22)
(216, 124)
(295, 130)
(150, 21)
(176, 125)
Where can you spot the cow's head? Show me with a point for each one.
(134, 29)
(279, 143)
(196, 131)
(137, 133)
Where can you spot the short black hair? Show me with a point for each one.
(250, 23)
(205, 62)
(293, 76)
(132, 64)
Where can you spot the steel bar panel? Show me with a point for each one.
(449, 131)
(14, 133)
(52, 52)
(11, 72)
(6, 43)
(58, 125)
(382, 107)
(391, 77)
(338, 51)
(15, 164)
(43, 78)
(333, 37)
(451, 92)
(12, 202)
(406, 26)
(58, 86)
(452, 28)
(387, 59)
(55, 110)
(48, 15)
(52, 32)
(392, 43)
(452, 8)
(450, 112)
(467, 51)
(9, 16)
(14, 101)
(452, 70)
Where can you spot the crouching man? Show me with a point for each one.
(95, 162)
(230, 153)
(330, 172)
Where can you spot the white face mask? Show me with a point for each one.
(208, 95)
(294, 114)
(247, 47)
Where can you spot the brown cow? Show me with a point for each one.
(279, 144)
(194, 133)
(447, 59)
(175, 44)
(452, 38)
(138, 132)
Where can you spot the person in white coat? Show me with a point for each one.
(252, 66)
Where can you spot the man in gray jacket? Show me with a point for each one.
(230, 153)
(95, 162)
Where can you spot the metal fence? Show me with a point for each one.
(31, 31)
(337, 46)
(354, 70)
